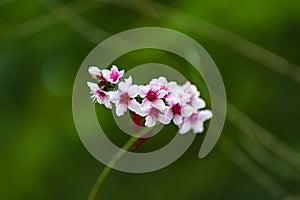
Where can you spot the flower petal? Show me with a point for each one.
(161, 93)
(115, 96)
(164, 119)
(104, 100)
(107, 104)
(159, 104)
(106, 74)
(205, 115)
(121, 109)
(144, 90)
(128, 81)
(115, 74)
(122, 87)
(169, 114)
(172, 99)
(93, 86)
(133, 91)
(186, 127)
(146, 103)
(201, 116)
(178, 120)
(150, 121)
(198, 127)
(187, 111)
(95, 72)
(134, 106)
(200, 103)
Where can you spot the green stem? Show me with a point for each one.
(103, 175)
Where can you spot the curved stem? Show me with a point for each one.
(103, 175)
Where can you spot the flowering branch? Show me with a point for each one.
(159, 101)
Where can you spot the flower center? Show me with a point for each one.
(152, 95)
(194, 118)
(154, 112)
(114, 75)
(101, 94)
(176, 109)
(104, 84)
(124, 98)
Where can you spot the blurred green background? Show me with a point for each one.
(256, 46)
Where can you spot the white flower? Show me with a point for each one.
(124, 97)
(195, 101)
(195, 122)
(98, 95)
(95, 72)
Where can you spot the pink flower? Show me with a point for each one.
(124, 97)
(163, 84)
(98, 74)
(177, 101)
(153, 105)
(178, 111)
(113, 75)
(153, 95)
(98, 95)
(153, 115)
(195, 122)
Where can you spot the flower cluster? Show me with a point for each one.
(159, 101)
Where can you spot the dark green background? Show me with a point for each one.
(256, 46)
